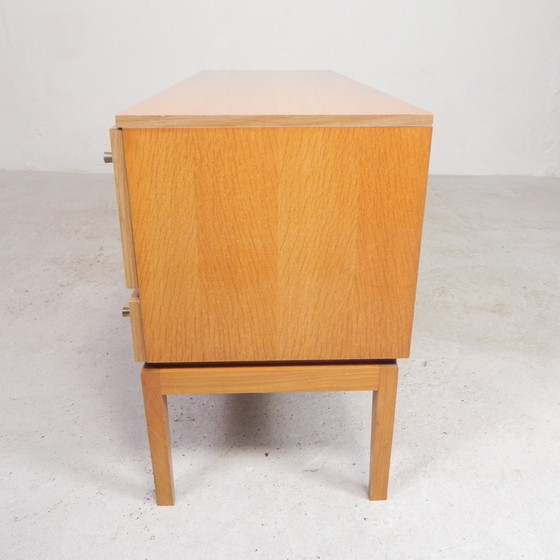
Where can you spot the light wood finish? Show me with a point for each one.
(269, 379)
(157, 420)
(271, 99)
(271, 222)
(119, 170)
(157, 382)
(383, 418)
(277, 244)
(136, 325)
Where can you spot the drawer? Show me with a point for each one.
(123, 207)
(135, 315)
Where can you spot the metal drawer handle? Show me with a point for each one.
(107, 157)
(126, 312)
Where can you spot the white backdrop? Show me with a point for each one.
(488, 69)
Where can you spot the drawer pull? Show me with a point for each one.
(108, 157)
(126, 312)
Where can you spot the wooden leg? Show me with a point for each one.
(158, 383)
(157, 420)
(383, 416)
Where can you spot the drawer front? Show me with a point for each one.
(136, 327)
(123, 208)
(276, 244)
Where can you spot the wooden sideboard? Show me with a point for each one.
(271, 226)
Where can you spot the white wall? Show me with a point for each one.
(488, 69)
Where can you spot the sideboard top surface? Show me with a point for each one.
(301, 98)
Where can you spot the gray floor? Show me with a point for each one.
(476, 458)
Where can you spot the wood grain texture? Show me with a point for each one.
(270, 379)
(157, 382)
(271, 99)
(382, 425)
(157, 420)
(136, 326)
(277, 244)
(119, 170)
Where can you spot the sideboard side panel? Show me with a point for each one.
(277, 244)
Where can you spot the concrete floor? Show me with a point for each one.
(476, 458)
